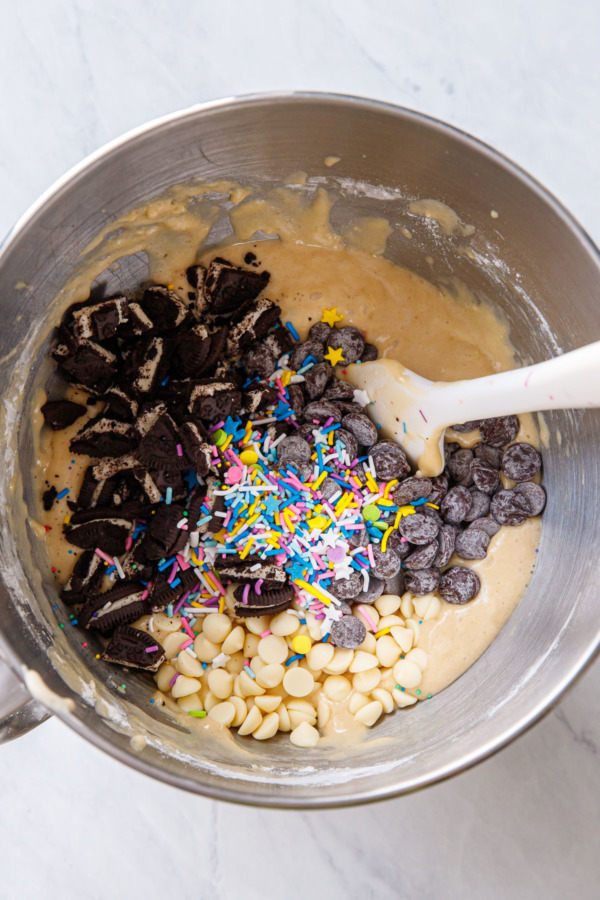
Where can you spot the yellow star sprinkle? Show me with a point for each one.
(330, 316)
(334, 356)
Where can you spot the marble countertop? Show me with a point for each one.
(523, 77)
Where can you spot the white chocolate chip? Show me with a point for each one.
(387, 604)
(362, 661)
(164, 676)
(323, 712)
(172, 642)
(369, 643)
(407, 674)
(224, 713)
(304, 735)
(209, 700)
(298, 682)
(191, 703)
(389, 621)
(221, 683)
(162, 622)
(251, 722)
(415, 628)
(385, 698)
(297, 716)
(268, 727)
(366, 681)
(248, 685)
(204, 649)
(419, 657)
(406, 606)
(284, 718)
(216, 627)
(387, 651)
(241, 711)
(369, 714)
(340, 661)
(273, 649)
(356, 702)
(284, 625)
(403, 636)
(234, 641)
(319, 656)
(371, 613)
(268, 702)
(251, 642)
(336, 687)
(184, 686)
(187, 665)
(270, 675)
(257, 624)
(402, 698)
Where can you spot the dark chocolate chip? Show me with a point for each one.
(386, 564)
(373, 592)
(347, 588)
(348, 442)
(390, 461)
(350, 341)
(395, 585)
(521, 462)
(421, 581)
(456, 505)
(480, 505)
(510, 508)
(321, 410)
(488, 454)
(303, 350)
(500, 431)
(398, 544)
(465, 427)
(361, 427)
(418, 528)
(293, 449)
(339, 390)
(446, 543)
(485, 476)
(59, 414)
(459, 585)
(317, 379)
(412, 488)
(459, 466)
(369, 354)
(472, 544)
(439, 489)
(320, 331)
(534, 494)
(422, 558)
(348, 632)
(487, 524)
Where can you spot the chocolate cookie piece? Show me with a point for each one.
(91, 366)
(439, 489)
(259, 361)
(137, 322)
(488, 454)
(104, 437)
(267, 603)
(418, 528)
(302, 351)
(225, 288)
(163, 530)
(279, 342)
(499, 431)
(446, 543)
(135, 649)
(348, 632)
(164, 593)
(293, 449)
(109, 534)
(472, 544)
(412, 488)
(521, 462)
(190, 353)
(422, 558)
(486, 524)
(373, 592)
(120, 605)
(119, 405)
(369, 354)
(166, 308)
(158, 447)
(147, 366)
(196, 447)
(320, 411)
(390, 461)
(459, 585)
(350, 341)
(480, 505)
(347, 588)
(459, 466)
(421, 581)
(386, 565)
(101, 321)
(85, 578)
(273, 576)
(485, 476)
(59, 414)
(456, 505)
(534, 494)
(317, 379)
(339, 390)
(257, 319)
(214, 400)
(466, 427)
(321, 332)
(361, 427)
(215, 356)
(263, 396)
(510, 508)
(48, 498)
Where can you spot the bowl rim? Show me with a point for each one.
(352, 796)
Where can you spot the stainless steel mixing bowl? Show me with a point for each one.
(532, 260)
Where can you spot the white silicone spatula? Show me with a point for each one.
(415, 412)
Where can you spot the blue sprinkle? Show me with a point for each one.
(205, 665)
(249, 671)
(62, 494)
(175, 582)
(292, 658)
(418, 502)
(303, 621)
(168, 495)
(74, 622)
(292, 331)
(170, 610)
(203, 521)
(165, 381)
(331, 428)
(326, 638)
(110, 570)
(404, 426)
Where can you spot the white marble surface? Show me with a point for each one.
(525, 78)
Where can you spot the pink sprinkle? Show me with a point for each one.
(187, 643)
(315, 421)
(183, 565)
(258, 586)
(173, 572)
(403, 540)
(265, 633)
(174, 679)
(328, 422)
(245, 594)
(187, 628)
(218, 584)
(129, 543)
(280, 559)
(422, 413)
(104, 556)
(179, 450)
(214, 451)
(180, 602)
(234, 475)
(217, 426)
(320, 616)
(366, 615)
(145, 594)
(151, 649)
(370, 554)
(227, 519)
(318, 561)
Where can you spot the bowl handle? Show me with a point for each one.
(19, 712)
